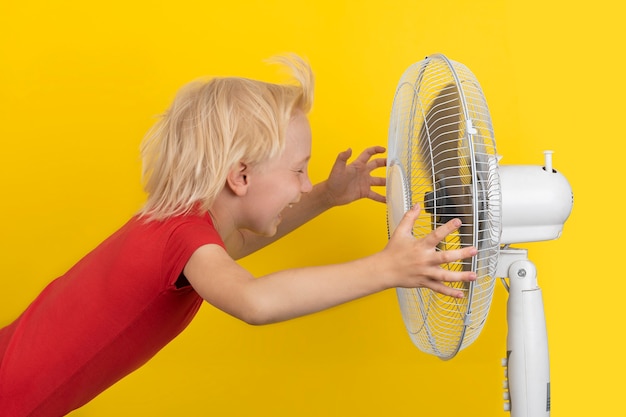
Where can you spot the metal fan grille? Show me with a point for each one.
(441, 138)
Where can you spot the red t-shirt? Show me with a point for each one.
(103, 319)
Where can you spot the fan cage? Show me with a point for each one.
(442, 136)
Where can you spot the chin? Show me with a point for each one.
(268, 232)
(272, 232)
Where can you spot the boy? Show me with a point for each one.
(225, 170)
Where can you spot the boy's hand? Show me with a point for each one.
(349, 182)
(417, 262)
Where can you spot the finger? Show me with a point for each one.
(445, 290)
(456, 254)
(343, 157)
(378, 181)
(457, 276)
(367, 154)
(442, 231)
(376, 163)
(377, 197)
(408, 220)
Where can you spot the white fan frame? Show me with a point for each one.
(535, 203)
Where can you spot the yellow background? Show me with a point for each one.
(81, 82)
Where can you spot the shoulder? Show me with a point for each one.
(185, 230)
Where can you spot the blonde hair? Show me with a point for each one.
(213, 125)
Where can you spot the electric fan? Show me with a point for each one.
(442, 155)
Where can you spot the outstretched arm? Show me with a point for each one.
(346, 183)
(405, 262)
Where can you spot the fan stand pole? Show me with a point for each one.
(527, 363)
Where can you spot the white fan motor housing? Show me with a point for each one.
(536, 202)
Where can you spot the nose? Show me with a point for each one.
(306, 185)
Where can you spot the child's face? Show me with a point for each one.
(281, 181)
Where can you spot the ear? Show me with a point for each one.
(237, 179)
